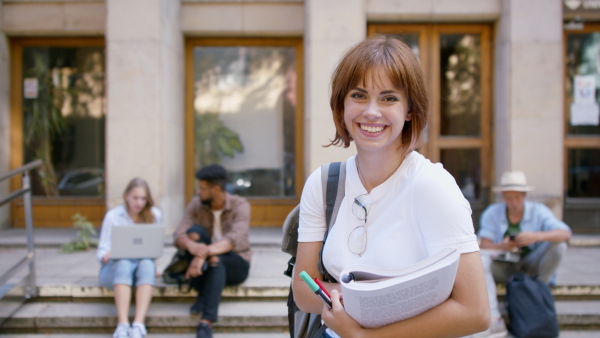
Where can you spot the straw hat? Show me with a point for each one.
(513, 181)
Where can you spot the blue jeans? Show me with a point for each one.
(231, 270)
(132, 272)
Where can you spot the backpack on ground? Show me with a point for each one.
(530, 308)
(333, 177)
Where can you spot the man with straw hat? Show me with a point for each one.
(529, 230)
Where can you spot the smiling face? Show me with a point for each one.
(136, 199)
(375, 112)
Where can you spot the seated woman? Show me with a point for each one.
(122, 274)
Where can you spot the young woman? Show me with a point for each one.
(412, 207)
(122, 274)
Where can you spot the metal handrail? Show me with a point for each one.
(25, 191)
(20, 170)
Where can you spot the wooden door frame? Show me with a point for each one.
(429, 57)
(265, 211)
(62, 207)
(575, 141)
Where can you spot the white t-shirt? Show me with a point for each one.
(217, 228)
(415, 213)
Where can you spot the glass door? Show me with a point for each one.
(58, 115)
(582, 128)
(456, 60)
(244, 113)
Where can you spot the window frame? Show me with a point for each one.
(572, 141)
(265, 211)
(47, 211)
(433, 142)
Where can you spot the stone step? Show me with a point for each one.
(176, 335)
(563, 334)
(164, 293)
(267, 316)
(255, 289)
(61, 317)
(250, 316)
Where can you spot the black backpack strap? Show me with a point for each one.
(335, 187)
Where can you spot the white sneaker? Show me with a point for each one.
(122, 331)
(497, 330)
(137, 331)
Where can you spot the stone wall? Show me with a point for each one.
(145, 113)
(4, 121)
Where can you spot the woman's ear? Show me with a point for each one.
(408, 116)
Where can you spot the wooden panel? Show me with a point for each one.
(266, 215)
(58, 216)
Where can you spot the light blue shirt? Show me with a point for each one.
(537, 217)
(115, 217)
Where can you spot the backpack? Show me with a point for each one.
(530, 308)
(333, 177)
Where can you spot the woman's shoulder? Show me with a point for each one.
(156, 213)
(428, 174)
(117, 211)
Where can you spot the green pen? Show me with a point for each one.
(315, 288)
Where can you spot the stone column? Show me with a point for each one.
(4, 122)
(145, 96)
(331, 27)
(528, 116)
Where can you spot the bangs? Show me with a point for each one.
(372, 65)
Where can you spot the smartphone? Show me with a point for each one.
(512, 237)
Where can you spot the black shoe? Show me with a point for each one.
(203, 331)
(196, 308)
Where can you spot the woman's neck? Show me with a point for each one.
(374, 169)
(134, 216)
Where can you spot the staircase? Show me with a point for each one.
(71, 304)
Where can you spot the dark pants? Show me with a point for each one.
(231, 270)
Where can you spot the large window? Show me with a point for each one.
(582, 128)
(245, 115)
(58, 105)
(456, 60)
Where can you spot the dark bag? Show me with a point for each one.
(174, 273)
(333, 177)
(530, 307)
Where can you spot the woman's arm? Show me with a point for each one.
(307, 258)
(465, 312)
(104, 244)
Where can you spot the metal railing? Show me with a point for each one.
(29, 259)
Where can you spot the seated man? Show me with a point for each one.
(528, 228)
(214, 230)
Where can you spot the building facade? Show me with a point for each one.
(107, 90)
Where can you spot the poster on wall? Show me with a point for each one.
(584, 109)
(30, 88)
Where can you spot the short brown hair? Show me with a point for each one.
(398, 61)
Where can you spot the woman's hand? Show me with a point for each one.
(338, 320)
(106, 257)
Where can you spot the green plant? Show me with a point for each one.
(215, 140)
(44, 122)
(84, 234)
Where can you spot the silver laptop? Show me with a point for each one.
(137, 241)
